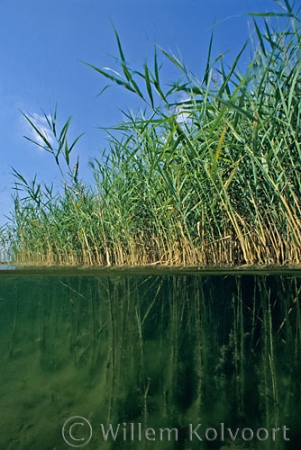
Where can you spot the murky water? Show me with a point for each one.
(156, 360)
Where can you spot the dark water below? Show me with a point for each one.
(149, 359)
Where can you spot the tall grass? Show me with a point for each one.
(212, 179)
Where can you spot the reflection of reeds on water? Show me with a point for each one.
(161, 351)
(208, 354)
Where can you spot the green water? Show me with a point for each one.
(151, 355)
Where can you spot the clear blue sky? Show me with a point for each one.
(41, 46)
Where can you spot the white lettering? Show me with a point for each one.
(169, 431)
(249, 431)
(214, 434)
(285, 429)
(109, 432)
(194, 432)
(233, 437)
(148, 432)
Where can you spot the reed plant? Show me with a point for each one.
(209, 180)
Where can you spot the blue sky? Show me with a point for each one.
(42, 44)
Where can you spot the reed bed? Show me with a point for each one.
(213, 179)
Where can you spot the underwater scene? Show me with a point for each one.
(149, 360)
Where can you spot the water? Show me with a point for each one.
(149, 359)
